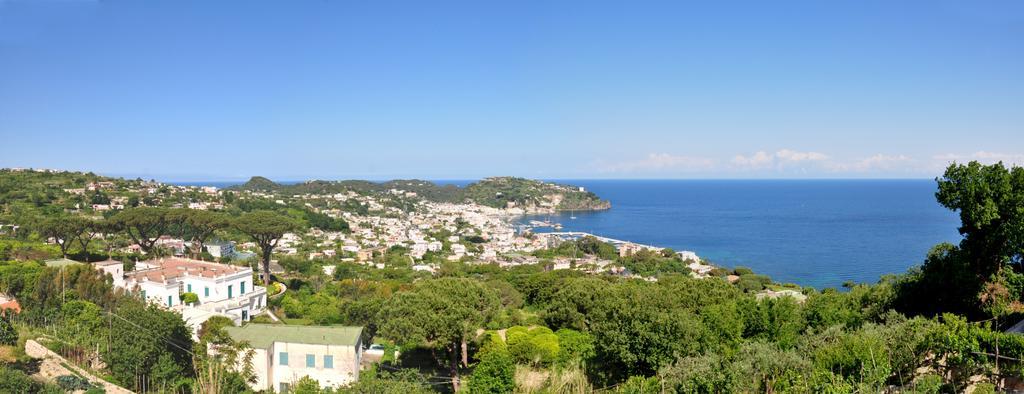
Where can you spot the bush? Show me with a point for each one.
(929, 384)
(189, 298)
(8, 335)
(14, 381)
(742, 271)
(535, 346)
(753, 282)
(574, 346)
(495, 373)
(984, 388)
(72, 383)
(639, 385)
(306, 385)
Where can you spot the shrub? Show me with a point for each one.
(753, 282)
(639, 385)
(535, 346)
(495, 373)
(14, 381)
(742, 271)
(72, 383)
(189, 298)
(574, 346)
(8, 335)
(929, 384)
(306, 385)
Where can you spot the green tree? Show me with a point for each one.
(196, 226)
(88, 230)
(990, 200)
(265, 228)
(230, 368)
(445, 311)
(640, 327)
(145, 332)
(573, 303)
(144, 225)
(63, 229)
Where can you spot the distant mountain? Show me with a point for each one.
(257, 183)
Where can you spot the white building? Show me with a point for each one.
(220, 249)
(222, 289)
(283, 354)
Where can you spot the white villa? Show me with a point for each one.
(220, 249)
(226, 290)
(283, 354)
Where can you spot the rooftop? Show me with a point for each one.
(107, 262)
(61, 262)
(263, 335)
(175, 267)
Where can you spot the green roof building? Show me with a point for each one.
(283, 354)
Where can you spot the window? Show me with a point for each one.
(230, 292)
(310, 361)
(282, 358)
(284, 387)
(189, 287)
(245, 315)
(206, 291)
(143, 295)
(328, 362)
(241, 289)
(170, 301)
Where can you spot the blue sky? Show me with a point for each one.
(454, 90)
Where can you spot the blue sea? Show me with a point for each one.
(817, 233)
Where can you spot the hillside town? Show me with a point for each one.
(186, 250)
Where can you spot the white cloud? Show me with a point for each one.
(875, 163)
(789, 155)
(982, 157)
(799, 163)
(779, 159)
(661, 162)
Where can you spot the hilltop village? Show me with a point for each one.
(117, 285)
(395, 224)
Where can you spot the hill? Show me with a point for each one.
(497, 192)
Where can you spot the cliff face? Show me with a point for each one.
(588, 205)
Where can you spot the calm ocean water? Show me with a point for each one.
(812, 232)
